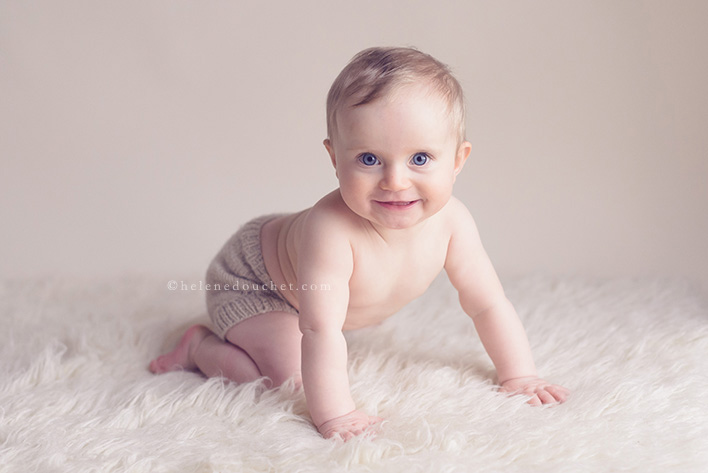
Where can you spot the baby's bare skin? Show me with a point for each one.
(386, 276)
(370, 247)
(378, 242)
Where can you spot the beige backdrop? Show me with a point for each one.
(135, 136)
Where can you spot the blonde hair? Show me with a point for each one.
(376, 72)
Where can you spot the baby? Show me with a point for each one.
(283, 289)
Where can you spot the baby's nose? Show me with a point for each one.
(394, 179)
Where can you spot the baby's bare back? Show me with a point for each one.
(388, 273)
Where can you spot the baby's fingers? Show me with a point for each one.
(374, 420)
(546, 397)
(349, 425)
(349, 434)
(559, 392)
(535, 400)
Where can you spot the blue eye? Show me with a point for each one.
(420, 159)
(368, 159)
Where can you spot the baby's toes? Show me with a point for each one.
(155, 366)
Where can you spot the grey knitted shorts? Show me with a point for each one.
(238, 285)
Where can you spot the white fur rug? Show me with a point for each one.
(76, 395)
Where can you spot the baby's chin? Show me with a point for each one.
(395, 216)
(397, 219)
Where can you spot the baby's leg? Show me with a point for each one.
(200, 349)
(272, 340)
(264, 345)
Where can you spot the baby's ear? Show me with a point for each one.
(330, 149)
(463, 152)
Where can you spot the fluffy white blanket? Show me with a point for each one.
(76, 395)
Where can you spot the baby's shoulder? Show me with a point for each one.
(455, 213)
(324, 234)
(331, 216)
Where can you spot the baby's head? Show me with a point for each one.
(377, 73)
(395, 123)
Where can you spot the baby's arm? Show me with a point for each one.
(482, 298)
(325, 257)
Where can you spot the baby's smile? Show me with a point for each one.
(397, 204)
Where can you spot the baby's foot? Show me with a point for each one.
(181, 358)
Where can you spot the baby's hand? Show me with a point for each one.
(541, 392)
(348, 425)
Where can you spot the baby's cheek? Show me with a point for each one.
(354, 200)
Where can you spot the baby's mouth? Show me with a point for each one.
(398, 204)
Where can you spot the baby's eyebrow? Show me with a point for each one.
(360, 149)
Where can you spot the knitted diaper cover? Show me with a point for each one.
(238, 285)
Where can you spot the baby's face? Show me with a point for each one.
(397, 157)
